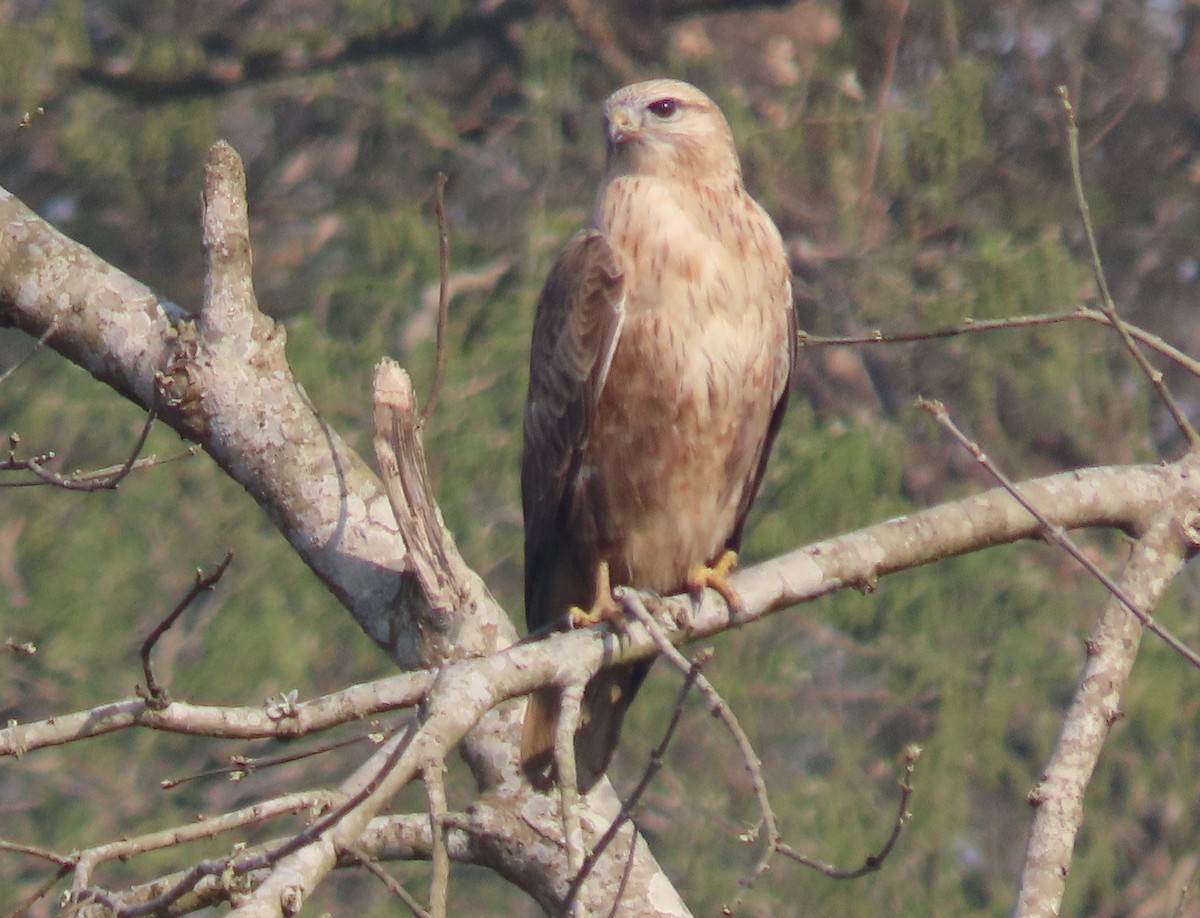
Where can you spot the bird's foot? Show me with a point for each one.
(716, 577)
(605, 607)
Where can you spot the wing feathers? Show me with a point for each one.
(575, 332)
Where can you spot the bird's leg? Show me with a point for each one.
(604, 606)
(716, 576)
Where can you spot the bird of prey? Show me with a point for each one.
(662, 352)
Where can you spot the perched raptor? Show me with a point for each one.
(662, 351)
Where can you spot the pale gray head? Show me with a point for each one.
(671, 129)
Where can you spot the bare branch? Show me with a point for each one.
(1058, 535)
(873, 861)
(101, 480)
(569, 715)
(1111, 650)
(210, 827)
(365, 781)
(156, 695)
(243, 765)
(372, 866)
(1158, 556)
(439, 883)
(443, 312)
(468, 689)
(302, 862)
(400, 691)
(38, 893)
(1110, 308)
(77, 481)
(402, 465)
(718, 707)
(386, 838)
(970, 326)
(41, 853)
(28, 355)
(895, 31)
(630, 803)
(82, 308)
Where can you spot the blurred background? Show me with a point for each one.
(915, 160)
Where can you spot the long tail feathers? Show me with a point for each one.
(604, 704)
(537, 738)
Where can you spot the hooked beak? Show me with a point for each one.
(620, 126)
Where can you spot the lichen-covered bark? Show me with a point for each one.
(223, 379)
(1112, 647)
(225, 382)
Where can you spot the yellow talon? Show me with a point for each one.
(716, 577)
(604, 606)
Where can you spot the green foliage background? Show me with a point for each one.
(344, 114)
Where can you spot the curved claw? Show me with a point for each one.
(716, 577)
(605, 607)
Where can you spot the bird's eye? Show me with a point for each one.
(664, 108)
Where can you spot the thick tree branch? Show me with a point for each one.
(1111, 650)
(357, 701)
(227, 384)
(466, 690)
(94, 315)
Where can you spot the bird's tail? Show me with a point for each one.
(605, 701)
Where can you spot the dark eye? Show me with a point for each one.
(664, 108)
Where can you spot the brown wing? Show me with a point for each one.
(575, 330)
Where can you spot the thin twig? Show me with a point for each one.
(65, 864)
(1154, 375)
(78, 481)
(93, 481)
(28, 355)
(156, 694)
(718, 707)
(387, 880)
(62, 860)
(971, 326)
(439, 364)
(626, 873)
(242, 766)
(875, 132)
(873, 861)
(32, 898)
(241, 864)
(1055, 532)
(653, 766)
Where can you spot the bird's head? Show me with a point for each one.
(668, 128)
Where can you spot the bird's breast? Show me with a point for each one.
(680, 423)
